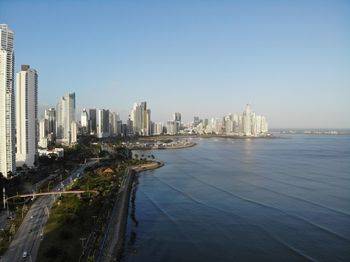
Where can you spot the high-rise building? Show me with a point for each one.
(247, 121)
(43, 133)
(196, 121)
(65, 117)
(7, 102)
(177, 119)
(205, 122)
(113, 123)
(119, 127)
(129, 128)
(264, 125)
(73, 132)
(235, 123)
(146, 131)
(26, 116)
(84, 121)
(246, 124)
(171, 127)
(158, 129)
(93, 121)
(103, 123)
(228, 124)
(50, 115)
(141, 119)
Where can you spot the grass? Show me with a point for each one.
(71, 217)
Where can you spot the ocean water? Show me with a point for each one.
(282, 199)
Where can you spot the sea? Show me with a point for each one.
(285, 198)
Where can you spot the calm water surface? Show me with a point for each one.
(283, 199)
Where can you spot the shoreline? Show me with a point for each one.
(164, 147)
(116, 230)
(162, 137)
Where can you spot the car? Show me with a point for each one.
(24, 254)
(31, 217)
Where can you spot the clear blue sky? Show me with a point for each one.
(289, 59)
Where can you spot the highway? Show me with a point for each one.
(29, 235)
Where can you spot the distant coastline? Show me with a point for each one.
(333, 132)
(165, 142)
(163, 137)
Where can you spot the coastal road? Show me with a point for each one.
(29, 234)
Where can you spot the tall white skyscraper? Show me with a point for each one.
(247, 123)
(84, 121)
(7, 102)
(73, 132)
(43, 133)
(141, 119)
(26, 116)
(65, 116)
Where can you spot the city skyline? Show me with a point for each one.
(286, 59)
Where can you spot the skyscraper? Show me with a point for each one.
(195, 121)
(113, 123)
(65, 117)
(171, 127)
(7, 102)
(103, 123)
(84, 121)
(26, 116)
(92, 121)
(247, 121)
(177, 119)
(141, 119)
(50, 115)
(43, 133)
(73, 132)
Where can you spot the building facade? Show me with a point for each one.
(43, 133)
(93, 121)
(50, 115)
(84, 121)
(7, 102)
(26, 116)
(113, 124)
(141, 119)
(103, 123)
(65, 116)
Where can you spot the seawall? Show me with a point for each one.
(116, 228)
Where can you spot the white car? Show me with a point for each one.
(24, 254)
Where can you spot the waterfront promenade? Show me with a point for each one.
(113, 240)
